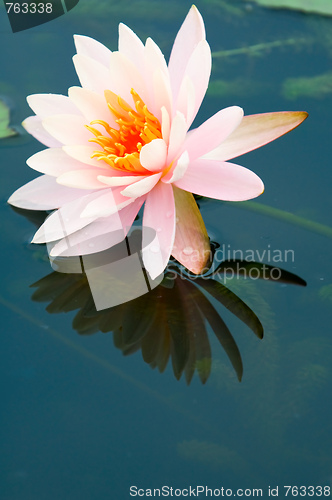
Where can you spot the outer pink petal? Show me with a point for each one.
(68, 129)
(92, 105)
(51, 104)
(212, 132)
(221, 180)
(43, 193)
(186, 101)
(177, 136)
(157, 78)
(165, 124)
(98, 235)
(162, 94)
(110, 202)
(92, 74)
(190, 34)
(153, 155)
(131, 46)
(159, 214)
(126, 76)
(179, 170)
(198, 70)
(83, 154)
(82, 179)
(92, 48)
(33, 125)
(255, 131)
(154, 57)
(141, 187)
(54, 161)
(191, 245)
(121, 180)
(66, 220)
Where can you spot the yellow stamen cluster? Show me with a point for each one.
(137, 127)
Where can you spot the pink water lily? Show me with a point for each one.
(121, 140)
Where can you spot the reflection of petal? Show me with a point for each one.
(200, 356)
(178, 328)
(222, 333)
(262, 271)
(233, 303)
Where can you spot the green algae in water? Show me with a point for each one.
(326, 292)
(5, 130)
(323, 7)
(316, 87)
(236, 88)
(212, 454)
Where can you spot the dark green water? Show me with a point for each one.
(80, 420)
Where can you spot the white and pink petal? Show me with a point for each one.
(198, 70)
(82, 179)
(177, 136)
(83, 154)
(159, 215)
(91, 105)
(44, 105)
(68, 129)
(153, 155)
(120, 180)
(142, 187)
(126, 76)
(54, 162)
(190, 34)
(90, 47)
(92, 74)
(179, 169)
(66, 220)
(221, 180)
(44, 193)
(33, 125)
(99, 235)
(213, 132)
(256, 131)
(109, 202)
(131, 46)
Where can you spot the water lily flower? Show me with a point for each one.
(122, 140)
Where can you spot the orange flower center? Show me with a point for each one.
(137, 127)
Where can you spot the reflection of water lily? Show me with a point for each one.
(122, 140)
(167, 324)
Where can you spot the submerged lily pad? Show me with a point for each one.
(5, 130)
(323, 7)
